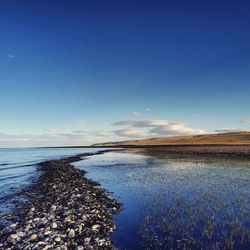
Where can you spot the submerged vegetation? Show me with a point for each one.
(196, 206)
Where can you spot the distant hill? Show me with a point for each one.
(213, 139)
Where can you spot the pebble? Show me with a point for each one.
(53, 208)
(13, 239)
(33, 237)
(87, 240)
(95, 227)
(71, 233)
(63, 212)
(54, 225)
(48, 232)
(58, 239)
(46, 248)
(14, 225)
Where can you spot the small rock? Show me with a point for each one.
(58, 239)
(53, 207)
(33, 237)
(13, 239)
(101, 242)
(21, 234)
(13, 225)
(72, 233)
(68, 221)
(40, 243)
(54, 225)
(47, 232)
(95, 227)
(64, 247)
(28, 227)
(46, 248)
(87, 240)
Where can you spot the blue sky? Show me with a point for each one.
(79, 72)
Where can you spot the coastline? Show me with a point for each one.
(218, 150)
(64, 209)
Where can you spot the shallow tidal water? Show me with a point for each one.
(176, 201)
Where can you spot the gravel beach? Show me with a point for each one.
(63, 210)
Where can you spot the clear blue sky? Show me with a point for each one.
(77, 67)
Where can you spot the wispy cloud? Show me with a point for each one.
(245, 120)
(137, 113)
(47, 138)
(146, 110)
(130, 133)
(52, 137)
(11, 56)
(228, 130)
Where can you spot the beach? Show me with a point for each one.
(62, 209)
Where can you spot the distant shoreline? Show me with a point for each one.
(226, 150)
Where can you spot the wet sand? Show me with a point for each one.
(63, 210)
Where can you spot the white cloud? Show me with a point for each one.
(130, 133)
(11, 56)
(154, 128)
(147, 109)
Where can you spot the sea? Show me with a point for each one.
(170, 201)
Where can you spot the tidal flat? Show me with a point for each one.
(175, 201)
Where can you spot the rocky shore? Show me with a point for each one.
(63, 210)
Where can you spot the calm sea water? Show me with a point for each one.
(18, 168)
(176, 202)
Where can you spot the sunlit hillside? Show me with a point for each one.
(220, 138)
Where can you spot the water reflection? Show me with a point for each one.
(177, 202)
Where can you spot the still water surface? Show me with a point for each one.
(174, 201)
(18, 168)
